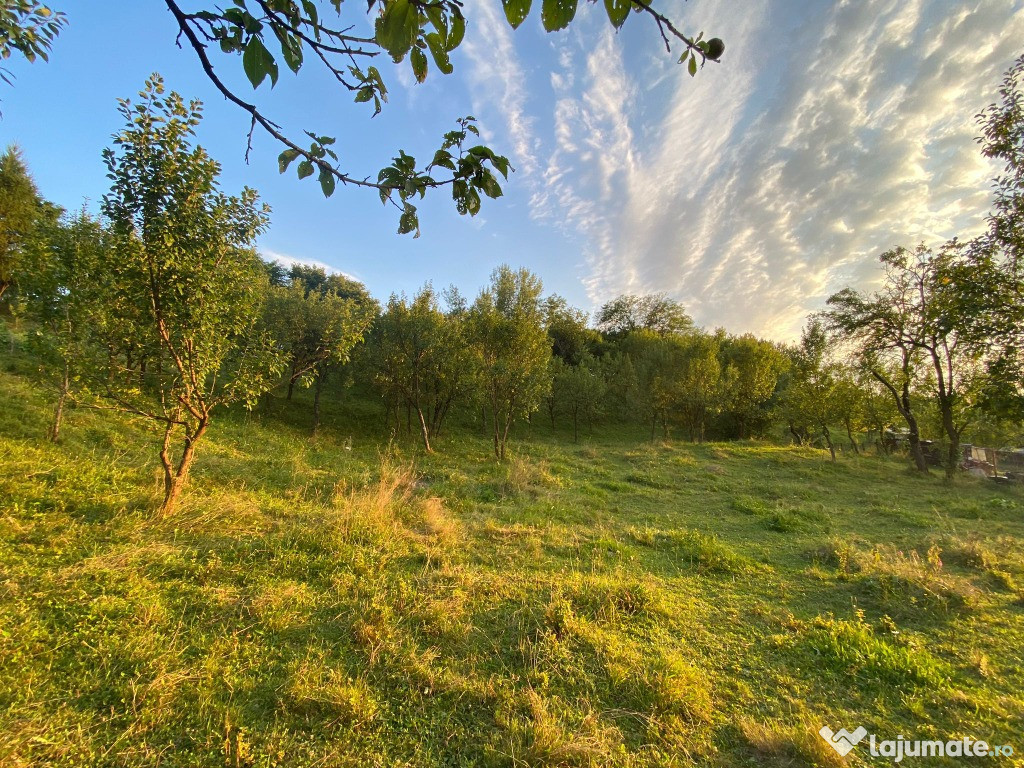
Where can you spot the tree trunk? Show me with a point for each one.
(953, 459)
(504, 434)
(849, 434)
(902, 401)
(796, 435)
(316, 401)
(916, 452)
(58, 411)
(828, 441)
(291, 387)
(424, 429)
(175, 476)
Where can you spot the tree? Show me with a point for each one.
(421, 360)
(20, 207)
(813, 396)
(754, 368)
(850, 403)
(571, 339)
(921, 312)
(989, 282)
(656, 312)
(650, 356)
(578, 390)
(885, 333)
(317, 326)
(187, 287)
(695, 386)
(878, 410)
(506, 329)
(63, 292)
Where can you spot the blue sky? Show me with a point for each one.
(829, 132)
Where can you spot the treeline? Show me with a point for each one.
(162, 308)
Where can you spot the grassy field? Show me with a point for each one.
(613, 603)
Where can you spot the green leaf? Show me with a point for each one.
(443, 158)
(397, 27)
(516, 11)
(258, 63)
(692, 66)
(365, 94)
(285, 159)
(311, 11)
(618, 11)
(409, 221)
(419, 64)
(437, 50)
(472, 202)
(456, 33)
(305, 169)
(291, 49)
(490, 185)
(556, 14)
(326, 181)
(436, 17)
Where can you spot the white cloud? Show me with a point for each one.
(772, 180)
(497, 82)
(288, 261)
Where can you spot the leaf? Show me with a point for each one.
(618, 11)
(556, 14)
(326, 181)
(258, 63)
(305, 169)
(365, 94)
(285, 159)
(436, 17)
(472, 202)
(397, 27)
(456, 33)
(291, 49)
(311, 12)
(409, 221)
(692, 66)
(419, 64)
(437, 50)
(490, 185)
(516, 11)
(443, 158)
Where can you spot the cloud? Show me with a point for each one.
(497, 81)
(288, 261)
(774, 179)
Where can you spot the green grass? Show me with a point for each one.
(613, 603)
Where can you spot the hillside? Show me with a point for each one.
(320, 602)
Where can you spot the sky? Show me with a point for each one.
(829, 132)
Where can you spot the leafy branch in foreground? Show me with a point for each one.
(27, 27)
(271, 34)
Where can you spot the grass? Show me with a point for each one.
(327, 601)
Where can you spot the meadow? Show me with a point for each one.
(340, 600)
